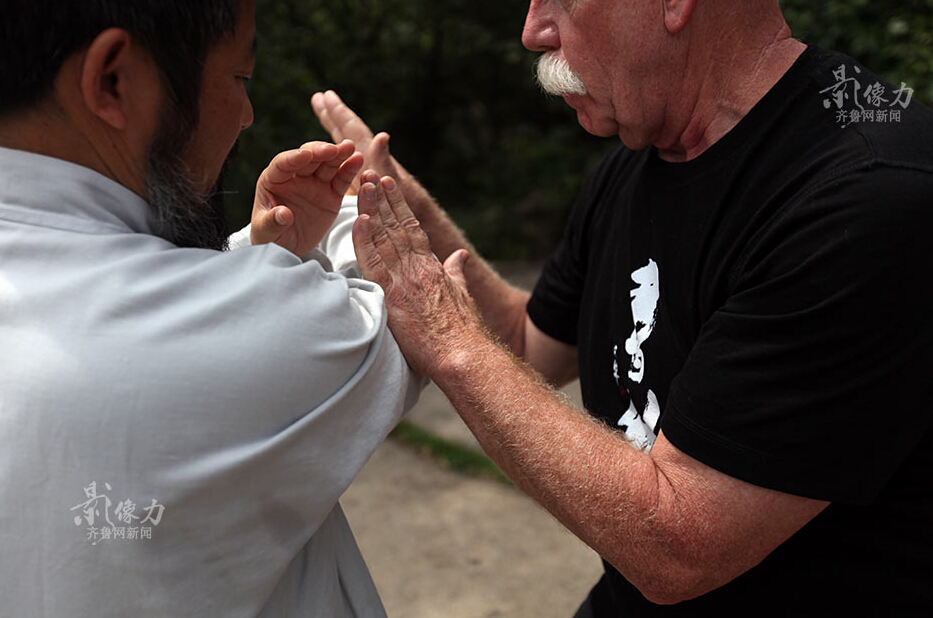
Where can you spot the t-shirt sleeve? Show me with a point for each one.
(814, 376)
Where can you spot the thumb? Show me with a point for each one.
(268, 226)
(454, 265)
(381, 157)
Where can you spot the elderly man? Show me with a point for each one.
(176, 423)
(744, 290)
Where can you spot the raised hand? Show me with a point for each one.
(430, 311)
(298, 195)
(343, 123)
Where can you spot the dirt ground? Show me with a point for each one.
(441, 544)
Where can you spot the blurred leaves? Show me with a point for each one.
(452, 84)
(893, 39)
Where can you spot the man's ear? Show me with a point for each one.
(110, 64)
(677, 14)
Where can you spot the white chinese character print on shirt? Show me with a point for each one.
(641, 427)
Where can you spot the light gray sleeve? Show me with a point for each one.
(323, 396)
(234, 395)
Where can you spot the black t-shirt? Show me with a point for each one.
(769, 307)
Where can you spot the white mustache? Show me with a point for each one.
(556, 77)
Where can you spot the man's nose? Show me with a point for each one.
(540, 32)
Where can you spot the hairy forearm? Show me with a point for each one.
(501, 304)
(607, 492)
(673, 526)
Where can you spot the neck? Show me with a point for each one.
(733, 75)
(47, 129)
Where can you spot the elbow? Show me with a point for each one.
(674, 585)
(672, 593)
(667, 576)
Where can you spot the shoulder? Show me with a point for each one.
(229, 305)
(846, 116)
(821, 141)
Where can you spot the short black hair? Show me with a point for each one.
(37, 36)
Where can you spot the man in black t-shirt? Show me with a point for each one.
(744, 290)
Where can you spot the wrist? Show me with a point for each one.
(470, 356)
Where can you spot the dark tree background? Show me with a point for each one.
(452, 84)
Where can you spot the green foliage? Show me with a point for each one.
(893, 39)
(450, 454)
(452, 84)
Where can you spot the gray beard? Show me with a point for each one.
(185, 216)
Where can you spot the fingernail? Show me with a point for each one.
(280, 217)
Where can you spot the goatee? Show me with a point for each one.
(185, 216)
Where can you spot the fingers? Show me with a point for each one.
(323, 116)
(383, 210)
(268, 226)
(388, 204)
(339, 120)
(306, 160)
(378, 156)
(385, 202)
(454, 265)
(366, 234)
(287, 164)
(404, 216)
(385, 229)
(345, 148)
(381, 241)
(346, 174)
(323, 160)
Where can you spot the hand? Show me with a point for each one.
(298, 196)
(343, 123)
(430, 311)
